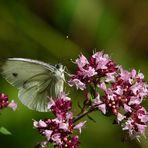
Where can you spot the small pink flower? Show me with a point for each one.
(61, 107)
(57, 138)
(12, 105)
(125, 75)
(141, 128)
(127, 108)
(56, 120)
(3, 101)
(143, 118)
(97, 100)
(50, 103)
(44, 144)
(77, 83)
(135, 88)
(64, 126)
(89, 72)
(102, 108)
(80, 125)
(98, 103)
(133, 73)
(64, 96)
(110, 77)
(48, 134)
(103, 86)
(35, 123)
(110, 94)
(101, 60)
(40, 124)
(81, 61)
(119, 90)
(140, 75)
(134, 100)
(69, 115)
(120, 117)
(128, 125)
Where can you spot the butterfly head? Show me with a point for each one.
(60, 67)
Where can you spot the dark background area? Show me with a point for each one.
(59, 30)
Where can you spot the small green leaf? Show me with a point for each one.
(92, 92)
(4, 131)
(79, 105)
(89, 117)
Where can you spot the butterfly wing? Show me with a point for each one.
(36, 81)
(18, 71)
(34, 94)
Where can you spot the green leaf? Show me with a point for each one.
(79, 105)
(89, 117)
(4, 131)
(92, 90)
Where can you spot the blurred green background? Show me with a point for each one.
(38, 29)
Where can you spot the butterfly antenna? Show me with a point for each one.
(67, 72)
(70, 75)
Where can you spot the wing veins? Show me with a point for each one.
(31, 78)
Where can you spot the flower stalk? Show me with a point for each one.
(84, 113)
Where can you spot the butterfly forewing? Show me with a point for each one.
(17, 70)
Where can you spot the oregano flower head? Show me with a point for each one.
(108, 88)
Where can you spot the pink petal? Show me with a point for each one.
(140, 75)
(56, 138)
(42, 124)
(143, 118)
(48, 134)
(50, 104)
(79, 126)
(103, 86)
(127, 108)
(102, 108)
(133, 73)
(12, 105)
(97, 100)
(134, 100)
(35, 124)
(64, 126)
(69, 115)
(119, 90)
(82, 61)
(44, 144)
(141, 128)
(89, 72)
(110, 77)
(120, 117)
(77, 83)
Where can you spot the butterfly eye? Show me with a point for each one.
(58, 66)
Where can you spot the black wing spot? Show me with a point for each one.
(15, 74)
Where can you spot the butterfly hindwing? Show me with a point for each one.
(35, 95)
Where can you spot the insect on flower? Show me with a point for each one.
(36, 81)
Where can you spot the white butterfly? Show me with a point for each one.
(37, 81)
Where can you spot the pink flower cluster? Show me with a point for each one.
(4, 102)
(91, 70)
(60, 130)
(118, 92)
